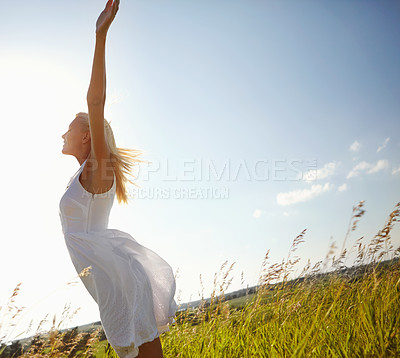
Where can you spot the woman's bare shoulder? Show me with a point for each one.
(97, 175)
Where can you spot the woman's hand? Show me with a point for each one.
(106, 17)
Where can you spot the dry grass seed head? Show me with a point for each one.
(358, 212)
(85, 272)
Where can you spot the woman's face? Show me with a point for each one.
(74, 138)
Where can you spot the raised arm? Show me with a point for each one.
(96, 95)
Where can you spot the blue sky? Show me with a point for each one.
(267, 89)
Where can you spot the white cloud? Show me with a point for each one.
(285, 213)
(298, 196)
(359, 167)
(381, 164)
(396, 171)
(257, 213)
(369, 168)
(355, 146)
(384, 144)
(322, 173)
(343, 187)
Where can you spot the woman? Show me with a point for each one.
(132, 285)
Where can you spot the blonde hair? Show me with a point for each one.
(122, 159)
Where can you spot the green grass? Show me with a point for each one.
(240, 301)
(338, 316)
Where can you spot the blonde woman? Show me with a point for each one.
(133, 287)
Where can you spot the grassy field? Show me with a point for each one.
(345, 313)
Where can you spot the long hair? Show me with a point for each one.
(123, 160)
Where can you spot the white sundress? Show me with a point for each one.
(133, 286)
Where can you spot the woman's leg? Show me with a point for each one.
(151, 349)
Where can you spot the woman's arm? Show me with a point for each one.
(96, 95)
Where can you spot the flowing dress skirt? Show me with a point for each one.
(133, 286)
